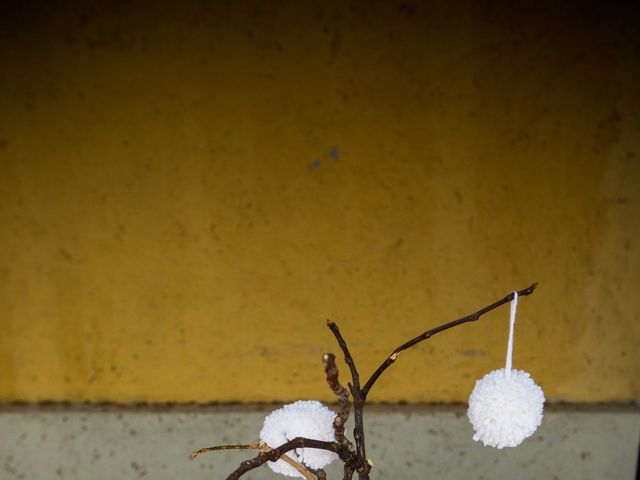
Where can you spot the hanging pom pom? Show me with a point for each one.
(506, 405)
(304, 418)
(505, 408)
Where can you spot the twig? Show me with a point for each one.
(298, 466)
(250, 446)
(362, 466)
(347, 355)
(298, 442)
(287, 459)
(341, 418)
(263, 447)
(429, 333)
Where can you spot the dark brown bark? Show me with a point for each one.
(361, 466)
(429, 333)
(342, 416)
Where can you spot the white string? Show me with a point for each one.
(512, 323)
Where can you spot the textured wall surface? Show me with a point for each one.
(189, 189)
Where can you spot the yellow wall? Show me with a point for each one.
(190, 190)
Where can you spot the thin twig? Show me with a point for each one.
(429, 333)
(341, 418)
(250, 446)
(298, 442)
(264, 448)
(298, 466)
(287, 459)
(347, 355)
(362, 467)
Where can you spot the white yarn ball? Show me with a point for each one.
(304, 418)
(505, 409)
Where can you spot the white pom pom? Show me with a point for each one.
(505, 409)
(304, 418)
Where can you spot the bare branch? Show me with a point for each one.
(263, 447)
(298, 466)
(347, 355)
(298, 442)
(361, 466)
(341, 418)
(250, 446)
(429, 333)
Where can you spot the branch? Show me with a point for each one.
(263, 447)
(341, 418)
(298, 442)
(429, 333)
(347, 356)
(250, 446)
(287, 459)
(361, 466)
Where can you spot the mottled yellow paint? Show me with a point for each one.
(189, 191)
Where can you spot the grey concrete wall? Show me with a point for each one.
(404, 443)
